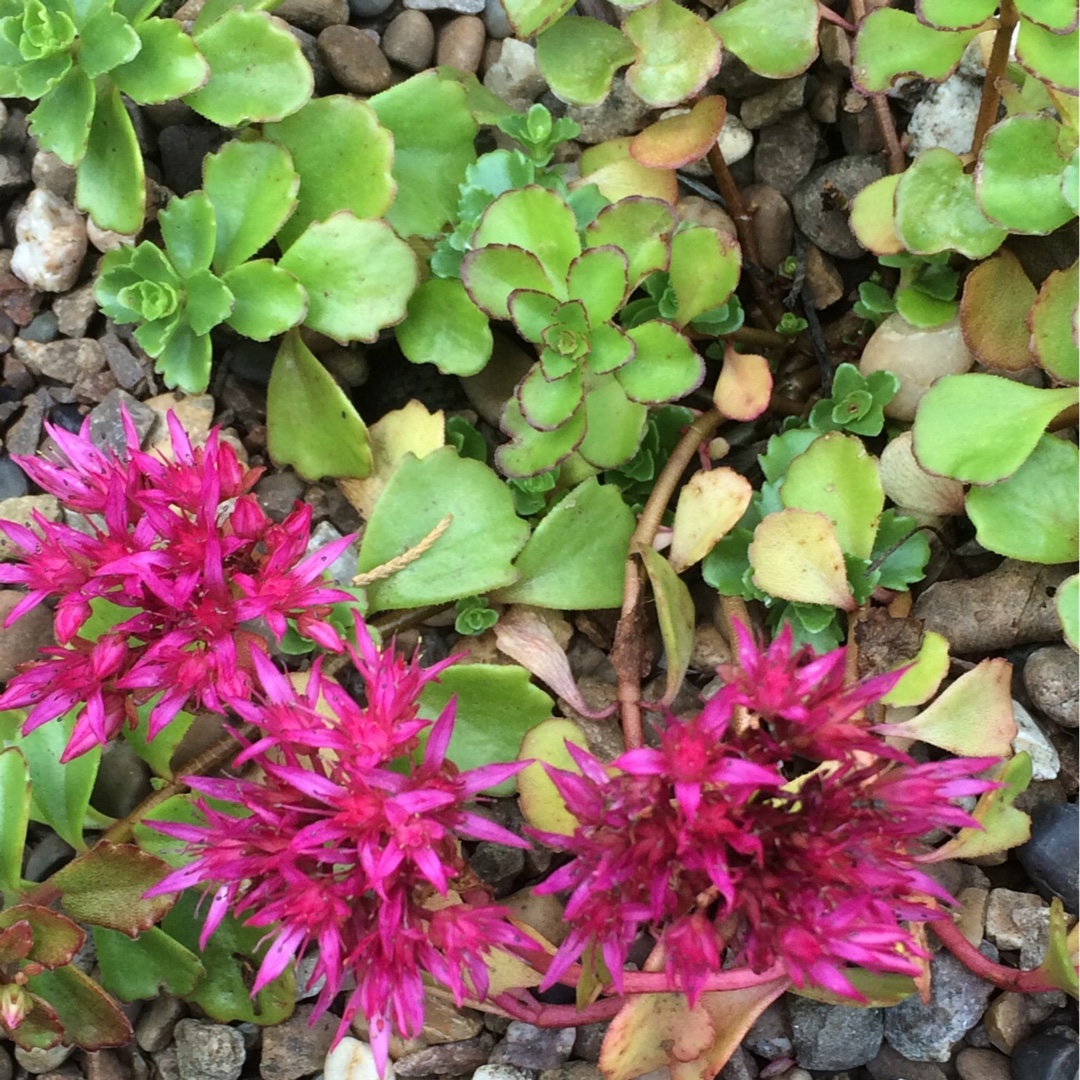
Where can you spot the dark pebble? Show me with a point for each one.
(1050, 856)
(43, 328)
(1050, 1056)
(68, 417)
(183, 147)
(13, 481)
(252, 361)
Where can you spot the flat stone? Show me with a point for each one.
(786, 152)
(462, 7)
(825, 282)
(514, 77)
(314, 15)
(447, 1059)
(1050, 856)
(368, 9)
(195, 413)
(21, 511)
(123, 780)
(973, 1063)
(773, 224)
(889, 1065)
(1031, 739)
(770, 105)
(43, 327)
(24, 435)
(461, 43)
(504, 1072)
(39, 1061)
(588, 1040)
(278, 494)
(14, 483)
(821, 203)
(409, 40)
(122, 361)
(65, 360)
(207, 1051)
(182, 148)
(573, 1070)
(297, 1047)
(14, 173)
(1047, 1056)
(354, 60)
(106, 420)
(621, 113)
(1052, 678)
(154, 1028)
(833, 1036)
(770, 1035)
(19, 643)
(530, 1047)
(75, 310)
(1007, 1021)
(496, 21)
(1001, 916)
(309, 46)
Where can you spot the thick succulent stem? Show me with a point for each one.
(1021, 982)
(995, 69)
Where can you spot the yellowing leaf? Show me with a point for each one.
(678, 140)
(540, 801)
(745, 383)
(610, 167)
(709, 506)
(921, 681)
(675, 612)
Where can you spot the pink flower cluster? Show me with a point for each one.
(184, 545)
(789, 844)
(334, 847)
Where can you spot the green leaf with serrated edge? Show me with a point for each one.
(268, 300)
(106, 886)
(342, 155)
(61, 792)
(188, 230)
(135, 11)
(61, 121)
(359, 276)
(837, 477)
(536, 220)
(106, 40)
(775, 38)
(547, 404)
(936, 209)
(1032, 515)
(1067, 603)
(311, 423)
(981, 428)
(158, 752)
(782, 449)
(257, 71)
(1002, 826)
(894, 43)
(597, 278)
(1018, 178)
(497, 705)
(14, 817)
(91, 1019)
(1060, 15)
(168, 65)
(490, 274)
(433, 144)
(609, 349)
(614, 424)
(704, 271)
(445, 328)
(1050, 57)
(900, 551)
(677, 53)
(641, 228)
(253, 189)
(920, 682)
(576, 556)
(531, 451)
(471, 558)
(881, 989)
(1051, 321)
(231, 957)
(675, 613)
(955, 14)
(184, 359)
(209, 301)
(665, 368)
(529, 17)
(111, 184)
(212, 10)
(142, 969)
(559, 51)
(541, 804)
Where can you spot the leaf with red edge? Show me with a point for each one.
(1052, 322)
(15, 943)
(610, 167)
(105, 886)
(91, 1019)
(704, 271)
(40, 1028)
(677, 53)
(676, 141)
(56, 938)
(745, 385)
(774, 38)
(993, 312)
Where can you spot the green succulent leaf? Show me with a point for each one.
(267, 300)
(253, 189)
(664, 368)
(14, 817)
(358, 274)
(704, 271)
(342, 155)
(1059, 15)
(641, 229)
(1067, 602)
(1070, 182)
(775, 38)
(675, 614)
(301, 388)
(532, 451)
(111, 183)
(167, 66)
(548, 403)
(445, 328)
(492, 273)
(183, 356)
(677, 53)
(143, 968)
(209, 301)
(213, 10)
(1018, 181)
(614, 423)
(61, 121)
(559, 51)
(901, 552)
(955, 14)
(90, 1018)
(188, 229)
(257, 71)
(1032, 515)
(1049, 56)
(529, 17)
(106, 40)
(1052, 320)
(597, 278)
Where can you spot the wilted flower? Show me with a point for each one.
(185, 548)
(720, 843)
(334, 848)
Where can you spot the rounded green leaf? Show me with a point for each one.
(614, 424)
(1052, 322)
(183, 359)
(532, 451)
(252, 186)
(704, 270)
(1018, 178)
(1032, 515)
(1059, 15)
(209, 301)
(257, 71)
(1048, 56)
(936, 209)
(474, 554)
(665, 368)
(61, 121)
(981, 428)
(641, 229)
(188, 229)
(358, 275)
(836, 476)
(677, 53)
(1070, 182)
(536, 220)
(547, 404)
(955, 14)
(598, 279)
(559, 52)
(342, 155)
(775, 38)
(1067, 602)
(111, 183)
(90, 1018)
(541, 804)
(533, 313)
(609, 348)
(268, 300)
(493, 273)
(872, 213)
(529, 17)
(167, 65)
(106, 40)
(993, 312)
(894, 43)
(311, 424)
(576, 556)
(445, 328)
(143, 968)
(675, 141)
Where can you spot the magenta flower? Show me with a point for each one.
(183, 547)
(335, 849)
(729, 853)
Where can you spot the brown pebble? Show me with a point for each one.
(461, 43)
(409, 40)
(772, 223)
(354, 60)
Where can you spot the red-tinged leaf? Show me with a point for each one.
(610, 167)
(993, 312)
(1052, 322)
(15, 943)
(56, 938)
(91, 1019)
(676, 141)
(40, 1028)
(745, 385)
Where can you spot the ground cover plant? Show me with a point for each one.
(651, 419)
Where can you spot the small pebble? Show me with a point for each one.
(51, 243)
(50, 173)
(461, 43)
(975, 1064)
(462, 7)
(786, 152)
(75, 310)
(529, 1047)
(313, 15)
(833, 1036)
(43, 328)
(1050, 856)
(207, 1051)
(1052, 678)
(1049, 1056)
(354, 60)
(409, 41)
(817, 212)
(367, 9)
(1030, 738)
(496, 21)
(352, 1059)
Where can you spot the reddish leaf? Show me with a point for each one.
(995, 305)
(676, 141)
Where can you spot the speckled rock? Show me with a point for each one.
(945, 116)
(49, 172)
(1002, 926)
(889, 1065)
(621, 113)
(462, 7)
(770, 1035)
(530, 1047)
(297, 1047)
(447, 1059)
(50, 243)
(354, 60)
(207, 1051)
(496, 21)
(1052, 678)
(409, 40)
(38, 1061)
(65, 361)
(514, 77)
(833, 1036)
(74, 311)
(314, 15)
(816, 208)
(769, 106)
(1047, 1056)
(786, 152)
(21, 641)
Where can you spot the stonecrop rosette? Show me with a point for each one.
(789, 839)
(350, 844)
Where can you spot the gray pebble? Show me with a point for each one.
(42, 328)
(786, 152)
(1050, 856)
(49, 172)
(24, 435)
(106, 420)
(368, 9)
(530, 1047)
(768, 107)
(833, 1036)
(75, 310)
(770, 1035)
(496, 20)
(314, 15)
(621, 113)
(1052, 678)
(154, 1028)
(207, 1051)
(122, 362)
(13, 484)
(462, 7)
(815, 203)
(278, 494)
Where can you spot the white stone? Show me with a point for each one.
(502, 1072)
(105, 240)
(909, 485)
(343, 569)
(736, 140)
(1045, 763)
(462, 7)
(50, 243)
(352, 1059)
(946, 116)
(514, 77)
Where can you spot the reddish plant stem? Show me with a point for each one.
(557, 1016)
(829, 15)
(995, 69)
(882, 113)
(1021, 982)
(626, 654)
